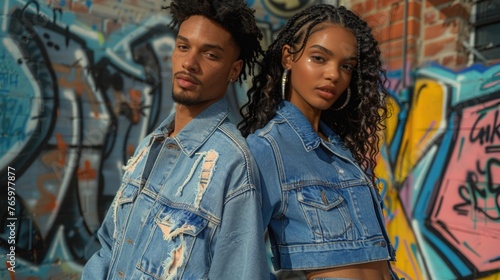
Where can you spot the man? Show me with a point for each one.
(189, 205)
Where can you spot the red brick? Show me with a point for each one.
(413, 27)
(441, 46)
(454, 61)
(414, 9)
(377, 20)
(358, 8)
(457, 10)
(370, 6)
(394, 64)
(395, 30)
(439, 30)
(447, 60)
(395, 48)
(431, 16)
(436, 3)
(397, 64)
(387, 3)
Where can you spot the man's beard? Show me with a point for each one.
(184, 99)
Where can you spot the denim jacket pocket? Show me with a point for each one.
(326, 212)
(171, 240)
(122, 207)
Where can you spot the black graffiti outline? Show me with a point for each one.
(471, 192)
(489, 133)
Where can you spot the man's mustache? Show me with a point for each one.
(187, 75)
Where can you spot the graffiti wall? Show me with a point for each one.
(81, 82)
(440, 173)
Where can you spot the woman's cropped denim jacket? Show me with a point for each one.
(321, 208)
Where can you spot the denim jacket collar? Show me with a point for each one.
(198, 130)
(299, 123)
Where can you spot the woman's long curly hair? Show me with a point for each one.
(359, 123)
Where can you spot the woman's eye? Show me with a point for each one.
(316, 58)
(348, 67)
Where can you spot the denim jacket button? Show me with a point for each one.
(344, 147)
(171, 146)
(121, 274)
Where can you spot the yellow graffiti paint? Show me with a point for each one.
(426, 120)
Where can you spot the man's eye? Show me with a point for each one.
(212, 56)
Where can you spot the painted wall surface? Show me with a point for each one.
(441, 173)
(81, 82)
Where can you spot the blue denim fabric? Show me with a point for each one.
(321, 208)
(197, 215)
(330, 278)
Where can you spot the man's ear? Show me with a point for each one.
(236, 70)
(286, 57)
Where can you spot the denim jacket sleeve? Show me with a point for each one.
(97, 266)
(239, 251)
(271, 188)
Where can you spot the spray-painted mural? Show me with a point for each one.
(441, 173)
(81, 82)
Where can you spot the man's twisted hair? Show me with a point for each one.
(233, 15)
(360, 122)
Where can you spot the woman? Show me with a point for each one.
(312, 123)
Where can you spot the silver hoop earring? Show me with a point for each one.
(348, 98)
(284, 77)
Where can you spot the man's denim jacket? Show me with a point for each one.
(196, 216)
(321, 208)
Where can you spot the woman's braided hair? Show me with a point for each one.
(235, 16)
(361, 121)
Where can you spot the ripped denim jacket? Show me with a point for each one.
(197, 215)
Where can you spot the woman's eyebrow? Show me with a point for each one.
(330, 53)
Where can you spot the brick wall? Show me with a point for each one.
(435, 30)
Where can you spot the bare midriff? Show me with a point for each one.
(370, 271)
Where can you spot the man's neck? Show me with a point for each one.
(183, 115)
(186, 113)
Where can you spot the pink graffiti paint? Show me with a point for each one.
(466, 210)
